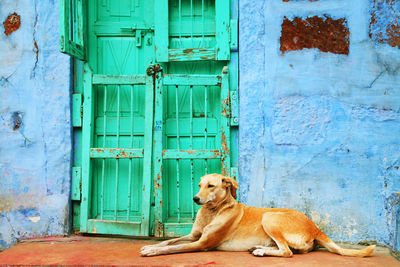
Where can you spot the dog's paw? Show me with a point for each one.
(259, 252)
(254, 248)
(148, 251)
(148, 246)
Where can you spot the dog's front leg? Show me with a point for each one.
(211, 237)
(148, 251)
(187, 238)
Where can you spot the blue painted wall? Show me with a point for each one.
(35, 95)
(320, 132)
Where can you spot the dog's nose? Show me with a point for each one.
(196, 199)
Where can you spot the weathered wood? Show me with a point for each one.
(225, 124)
(191, 54)
(222, 22)
(113, 227)
(116, 153)
(148, 152)
(191, 79)
(119, 79)
(191, 154)
(161, 30)
(158, 160)
(87, 133)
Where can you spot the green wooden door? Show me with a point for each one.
(192, 118)
(145, 140)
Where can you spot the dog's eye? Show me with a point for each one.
(210, 185)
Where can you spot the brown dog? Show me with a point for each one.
(224, 224)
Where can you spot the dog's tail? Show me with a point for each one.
(331, 246)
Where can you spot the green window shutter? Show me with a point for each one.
(188, 30)
(72, 16)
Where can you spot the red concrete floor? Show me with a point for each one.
(80, 250)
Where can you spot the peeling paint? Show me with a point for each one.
(34, 219)
(384, 24)
(323, 33)
(12, 23)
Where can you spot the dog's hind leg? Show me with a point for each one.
(283, 249)
(271, 226)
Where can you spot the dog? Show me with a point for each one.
(224, 224)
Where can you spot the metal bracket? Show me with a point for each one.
(233, 35)
(76, 187)
(234, 108)
(77, 110)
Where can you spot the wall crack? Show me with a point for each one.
(36, 47)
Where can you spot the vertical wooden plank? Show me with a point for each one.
(191, 147)
(117, 160)
(205, 123)
(202, 23)
(222, 19)
(225, 123)
(177, 160)
(161, 30)
(147, 167)
(103, 167)
(128, 210)
(180, 22)
(79, 22)
(87, 134)
(158, 147)
(192, 19)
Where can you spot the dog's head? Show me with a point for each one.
(214, 188)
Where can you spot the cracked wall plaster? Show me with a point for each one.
(319, 131)
(35, 128)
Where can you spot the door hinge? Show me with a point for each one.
(234, 108)
(233, 34)
(76, 185)
(77, 110)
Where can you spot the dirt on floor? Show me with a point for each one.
(83, 250)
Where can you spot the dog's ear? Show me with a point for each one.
(230, 182)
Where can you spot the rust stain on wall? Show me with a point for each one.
(384, 26)
(12, 23)
(324, 33)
